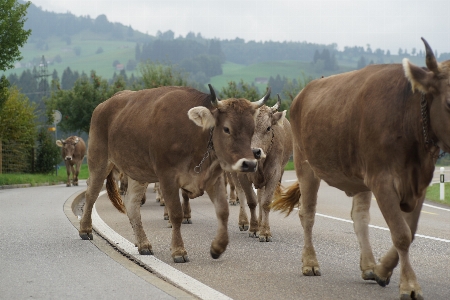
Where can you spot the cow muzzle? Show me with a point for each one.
(258, 153)
(68, 158)
(245, 165)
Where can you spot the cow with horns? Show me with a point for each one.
(193, 138)
(376, 130)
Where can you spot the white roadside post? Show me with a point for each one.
(442, 179)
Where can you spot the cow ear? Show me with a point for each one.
(277, 118)
(59, 143)
(202, 116)
(420, 79)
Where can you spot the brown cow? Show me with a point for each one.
(273, 135)
(377, 130)
(178, 136)
(73, 152)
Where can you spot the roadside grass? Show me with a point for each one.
(36, 179)
(433, 193)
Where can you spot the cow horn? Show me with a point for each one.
(430, 58)
(277, 105)
(214, 100)
(264, 99)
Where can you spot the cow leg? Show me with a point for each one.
(309, 186)
(76, 172)
(98, 173)
(361, 218)
(72, 169)
(218, 195)
(265, 196)
(175, 212)
(252, 201)
(132, 203)
(160, 196)
(243, 219)
(233, 200)
(68, 168)
(403, 227)
(186, 209)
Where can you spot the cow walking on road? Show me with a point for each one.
(178, 136)
(376, 130)
(273, 135)
(73, 152)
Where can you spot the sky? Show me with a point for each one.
(384, 24)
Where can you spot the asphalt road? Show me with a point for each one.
(250, 269)
(42, 256)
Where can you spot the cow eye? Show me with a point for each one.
(268, 128)
(226, 130)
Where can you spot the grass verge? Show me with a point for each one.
(36, 179)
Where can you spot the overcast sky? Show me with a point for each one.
(384, 24)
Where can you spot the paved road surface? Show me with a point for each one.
(253, 270)
(42, 256)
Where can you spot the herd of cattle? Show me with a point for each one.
(376, 130)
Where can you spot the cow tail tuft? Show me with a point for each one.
(113, 193)
(286, 201)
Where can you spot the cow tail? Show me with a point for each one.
(286, 201)
(113, 193)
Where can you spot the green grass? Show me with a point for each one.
(433, 193)
(36, 179)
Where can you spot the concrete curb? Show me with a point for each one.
(161, 270)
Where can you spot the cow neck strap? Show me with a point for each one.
(424, 113)
(209, 148)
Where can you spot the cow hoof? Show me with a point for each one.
(265, 238)
(161, 203)
(232, 203)
(146, 252)
(181, 259)
(311, 271)
(411, 296)
(368, 275)
(157, 199)
(382, 282)
(169, 225)
(243, 227)
(253, 234)
(187, 221)
(214, 255)
(86, 236)
(166, 218)
(68, 184)
(75, 184)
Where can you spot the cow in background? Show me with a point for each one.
(194, 137)
(122, 182)
(376, 130)
(73, 152)
(273, 135)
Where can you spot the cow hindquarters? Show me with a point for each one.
(132, 203)
(309, 186)
(402, 226)
(361, 218)
(218, 195)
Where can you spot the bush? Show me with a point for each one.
(48, 153)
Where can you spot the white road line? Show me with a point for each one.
(164, 270)
(382, 228)
(436, 207)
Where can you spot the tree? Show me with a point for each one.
(17, 132)
(239, 90)
(361, 63)
(12, 34)
(47, 152)
(77, 104)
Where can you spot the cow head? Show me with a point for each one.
(263, 138)
(68, 147)
(435, 84)
(233, 121)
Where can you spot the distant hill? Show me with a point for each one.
(84, 44)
